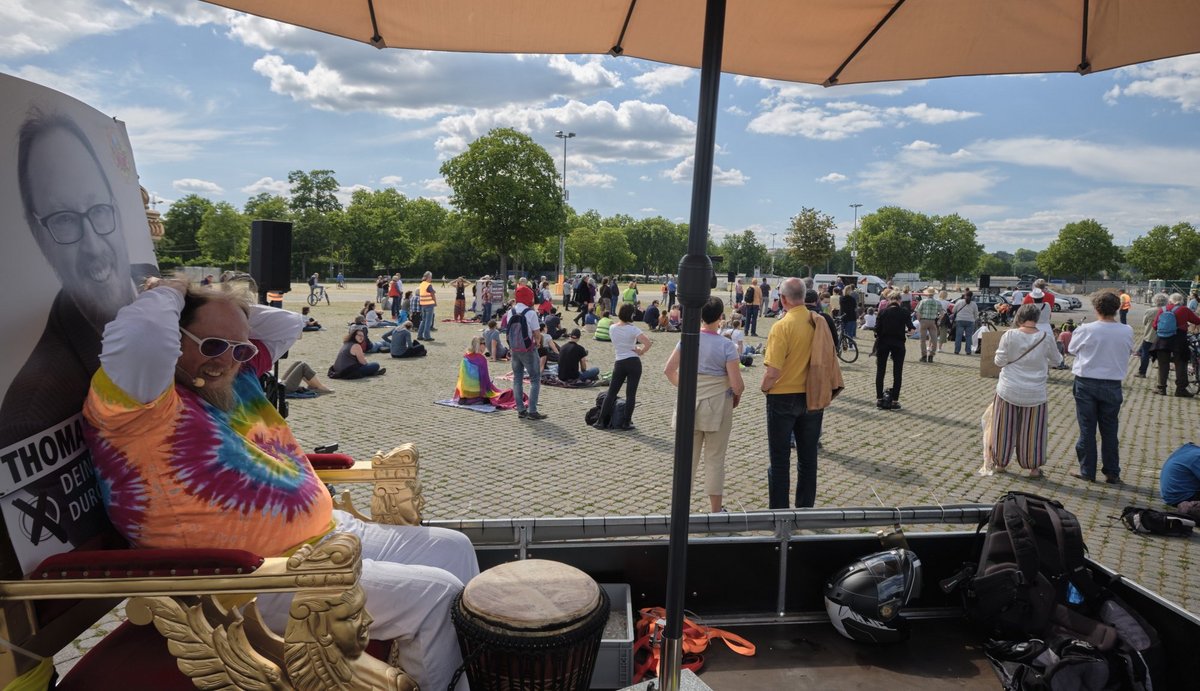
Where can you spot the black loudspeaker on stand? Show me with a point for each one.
(271, 255)
(985, 282)
(270, 266)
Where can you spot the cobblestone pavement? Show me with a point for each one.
(476, 465)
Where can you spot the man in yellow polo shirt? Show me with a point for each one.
(789, 348)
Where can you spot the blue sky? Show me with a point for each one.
(224, 105)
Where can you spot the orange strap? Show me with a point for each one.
(696, 637)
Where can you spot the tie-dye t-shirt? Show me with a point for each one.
(180, 473)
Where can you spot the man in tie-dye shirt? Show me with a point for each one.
(189, 453)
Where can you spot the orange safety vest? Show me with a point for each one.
(428, 299)
(274, 297)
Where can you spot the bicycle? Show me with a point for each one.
(847, 349)
(1193, 364)
(316, 294)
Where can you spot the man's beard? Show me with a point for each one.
(219, 394)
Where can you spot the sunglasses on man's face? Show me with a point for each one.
(215, 347)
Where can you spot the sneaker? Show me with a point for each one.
(536, 416)
(1080, 476)
(1160, 390)
(924, 359)
(382, 370)
(522, 414)
(894, 405)
(1113, 480)
(1140, 375)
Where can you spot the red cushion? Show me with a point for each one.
(113, 563)
(131, 657)
(330, 461)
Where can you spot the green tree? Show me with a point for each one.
(583, 247)
(657, 243)
(224, 235)
(506, 188)
(743, 252)
(266, 206)
(809, 239)
(613, 255)
(375, 229)
(315, 237)
(993, 265)
(1166, 252)
(1024, 255)
(181, 223)
(1082, 250)
(892, 240)
(952, 249)
(313, 191)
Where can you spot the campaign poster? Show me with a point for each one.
(75, 245)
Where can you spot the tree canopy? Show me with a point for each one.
(224, 235)
(1166, 252)
(809, 238)
(506, 188)
(892, 240)
(1082, 250)
(952, 249)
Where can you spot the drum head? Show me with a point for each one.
(532, 595)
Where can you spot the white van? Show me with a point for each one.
(869, 287)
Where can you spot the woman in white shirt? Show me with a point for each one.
(1024, 355)
(629, 345)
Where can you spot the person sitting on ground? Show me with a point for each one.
(1179, 479)
(589, 320)
(735, 333)
(300, 377)
(401, 343)
(868, 320)
(674, 319)
(603, 326)
(572, 361)
(351, 361)
(374, 317)
(651, 315)
(195, 456)
(492, 345)
(663, 322)
(553, 324)
(547, 351)
(310, 324)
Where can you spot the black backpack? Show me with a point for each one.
(1151, 522)
(1031, 584)
(592, 416)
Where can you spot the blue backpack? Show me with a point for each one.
(1168, 326)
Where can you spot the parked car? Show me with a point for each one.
(1061, 302)
(988, 303)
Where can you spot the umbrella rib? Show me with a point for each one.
(1084, 65)
(376, 39)
(617, 50)
(833, 78)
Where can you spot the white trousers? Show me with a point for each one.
(410, 575)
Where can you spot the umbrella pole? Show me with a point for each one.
(695, 283)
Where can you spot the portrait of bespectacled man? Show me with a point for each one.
(74, 217)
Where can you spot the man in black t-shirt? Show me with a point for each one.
(572, 361)
(891, 330)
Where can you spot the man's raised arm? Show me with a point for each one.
(141, 344)
(277, 329)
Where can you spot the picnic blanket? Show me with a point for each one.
(461, 321)
(550, 378)
(477, 407)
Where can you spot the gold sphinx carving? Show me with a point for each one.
(322, 647)
(397, 499)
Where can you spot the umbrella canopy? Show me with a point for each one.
(814, 41)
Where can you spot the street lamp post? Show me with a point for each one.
(562, 263)
(773, 254)
(853, 253)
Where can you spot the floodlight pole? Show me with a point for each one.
(562, 242)
(854, 254)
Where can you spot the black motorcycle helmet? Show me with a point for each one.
(864, 600)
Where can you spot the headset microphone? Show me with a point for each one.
(197, 382)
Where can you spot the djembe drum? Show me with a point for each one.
(532, 625)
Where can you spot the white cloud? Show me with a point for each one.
(920, 145)
(79, 83)
(269, 185)
(437, 186)
(37, 27)
(391, 180)
(1176, 79)
(734, 110)
(796, 91)
(657, 80)
(197, 186)
(345, 192)
(832, 177)
(726, 178)
(629, 132)
(841, 119)
(159, 135)
(1147, 165)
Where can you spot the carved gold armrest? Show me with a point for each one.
(397, 498)
(220, 646)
